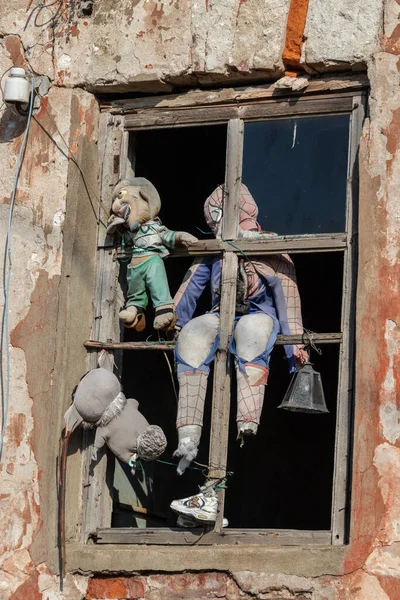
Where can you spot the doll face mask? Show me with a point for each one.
(135, 201)
(214, 210)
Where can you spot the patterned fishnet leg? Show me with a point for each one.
(250, 399)
(192, 394)
(281, 266)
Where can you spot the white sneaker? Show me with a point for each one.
(183, 521)
(201, 507)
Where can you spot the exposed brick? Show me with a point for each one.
(295, 33)
(106, 588)
(120, 588)
(187, 585)
(135, 587)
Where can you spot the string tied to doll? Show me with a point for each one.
(123, 244)
(201, 467)
(204, 232)
(156, 342)
(230, 243)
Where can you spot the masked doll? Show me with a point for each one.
(267, 303)
(143, 241)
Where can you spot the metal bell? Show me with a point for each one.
(305, 393)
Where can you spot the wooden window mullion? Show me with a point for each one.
(222, 377)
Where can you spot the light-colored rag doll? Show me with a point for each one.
(99, 402)
(142, 240)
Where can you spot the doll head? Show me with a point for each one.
(149, 446)
(151, 443)
(214, 208)
(97, 400)
(135, 201)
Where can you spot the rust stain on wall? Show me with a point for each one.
(15, 49)
(20, 511)
(28, 590)
(374, 486)
(86, 121)
(36, 336)
(16, 428)
(391, 44)
(392, 134)
(40, 150)
(391, 586)
(155, 13)
(367, 507)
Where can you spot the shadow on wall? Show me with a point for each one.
(12, 125)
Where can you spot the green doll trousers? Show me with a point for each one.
(149, 275)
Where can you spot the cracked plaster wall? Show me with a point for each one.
(66, 119)
(153, 46)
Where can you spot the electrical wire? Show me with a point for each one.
(5, 329)
(69, 156)
(170, 370)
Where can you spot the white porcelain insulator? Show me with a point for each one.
(16, 88)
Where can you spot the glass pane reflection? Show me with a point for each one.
(296, 169)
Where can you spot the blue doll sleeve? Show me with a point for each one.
(191, 289)
(281, 311)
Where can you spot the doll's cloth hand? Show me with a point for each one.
(300, 356)
(186, 239)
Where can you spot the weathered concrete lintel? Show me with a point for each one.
(329, 67)
(200, 97)
(207, 80)
(307, 561)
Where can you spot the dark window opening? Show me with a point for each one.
(283, 475)
(185, 165)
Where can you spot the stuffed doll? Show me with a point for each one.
(99, 402)
(267, 303)
(143, 241)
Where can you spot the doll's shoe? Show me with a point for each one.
(133, 318)
(183, 521)
(187, 523)
(165, 317)
(139, 323)
(201, 507)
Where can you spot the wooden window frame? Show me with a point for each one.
(234, 108)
